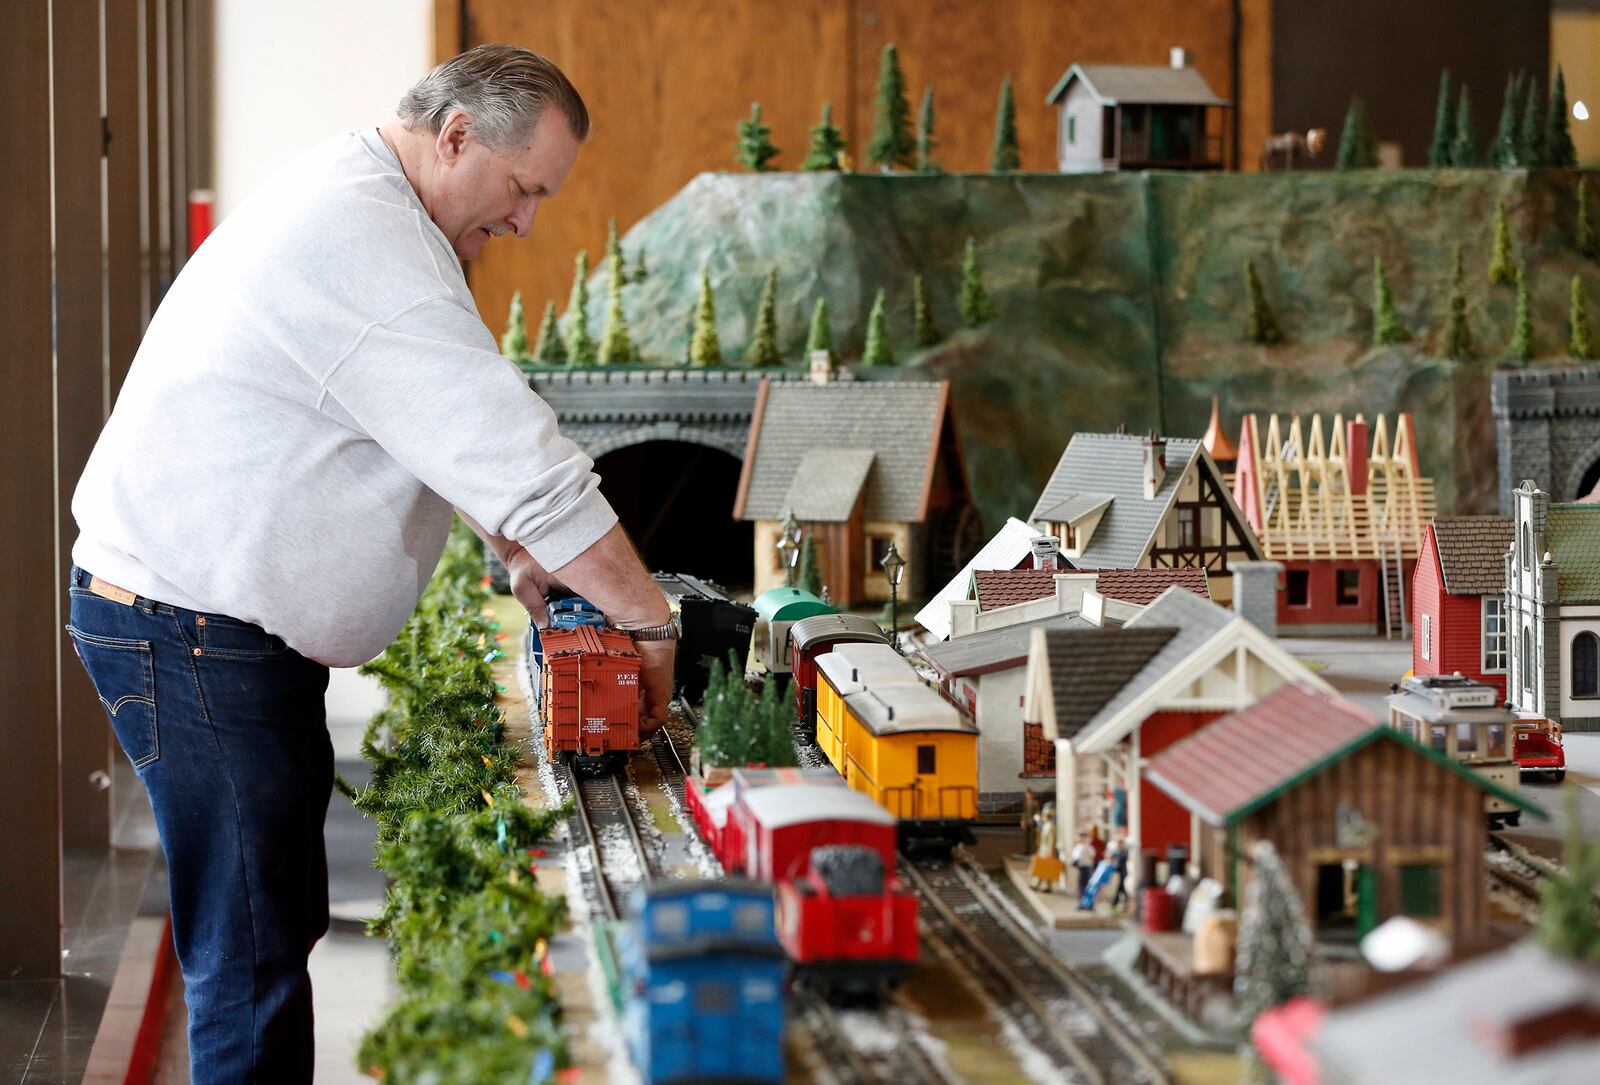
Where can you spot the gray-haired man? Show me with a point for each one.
(313, 397)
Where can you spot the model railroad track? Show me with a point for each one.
(897, 1059)
(668, 760)
(603, 817)
(1509, 868)
(1055, 1010)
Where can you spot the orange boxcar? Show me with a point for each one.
(591, 692)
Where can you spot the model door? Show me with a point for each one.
(718, 1024)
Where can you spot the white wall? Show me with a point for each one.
(292, 72)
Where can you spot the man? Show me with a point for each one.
(314, 395)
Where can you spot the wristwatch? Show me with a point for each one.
(668, 631)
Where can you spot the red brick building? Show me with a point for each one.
(1458, 623)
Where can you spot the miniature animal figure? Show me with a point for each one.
(1286, 150)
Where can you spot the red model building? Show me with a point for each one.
(1458, 604)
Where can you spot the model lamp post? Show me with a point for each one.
(894, 567)
(788, 545)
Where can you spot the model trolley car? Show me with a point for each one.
(1465, 721)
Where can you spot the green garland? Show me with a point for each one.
(465, 920)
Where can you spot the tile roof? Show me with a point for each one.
(1225, 767)
(828, 483)
(1074, 507)
(1113, 463)
(1472, 552)
(898, 421)
(1574, 542)
(1129, 84)
(1007, 587)
(1088, 667)
(1144, 586)
(995, 649)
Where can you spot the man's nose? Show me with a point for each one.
(522, 218)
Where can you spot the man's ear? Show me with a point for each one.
(453, 137)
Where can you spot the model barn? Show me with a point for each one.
(1457, 599)
(1134, 116)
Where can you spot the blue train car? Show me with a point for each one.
(567, 613)
(703, 978)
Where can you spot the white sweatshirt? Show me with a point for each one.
(313, 395)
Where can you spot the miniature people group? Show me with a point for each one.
(1096, 864)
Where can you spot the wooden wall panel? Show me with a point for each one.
(666, 84)
(125, 180)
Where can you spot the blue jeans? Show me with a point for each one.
(226, 728)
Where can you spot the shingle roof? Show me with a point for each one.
(1144, 586)
(1574, 534)
(1088, 667)
(1228, 765)
(995, 649)
(1074, 507)
(827, 484)
(898, 421)
(1129, 84)
(1472, 552)
(1113, 463)
(1007, 587)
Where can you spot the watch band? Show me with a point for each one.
(669, 631)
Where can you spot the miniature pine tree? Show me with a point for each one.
(1457, 335)
(1357, 150)
(1443, 125)
(922, 314)
(777, 713)
(1588, 238)
(975, 306)
(614, 249)
(1521, 347)
(925, 140)
(1263, 327)
(826, 143)
(821, 335)
(580, 346)
(763, 348)
(1558, 150)
(1502, 270)
(1579, 345)
(704, 349)
(807, 576)
(1566, 926)
(1464, 148)
(1505, 148)
(877, 350)
(514, 343)
(1530, 133)
(710, 735)
(1386, 326)
(616, 345)
(891, 144)
(1005, 157)
(550, 350)
(754, 148)
(639, 272)
(1273, 963)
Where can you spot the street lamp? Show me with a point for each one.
(894, 567)
(788, 545)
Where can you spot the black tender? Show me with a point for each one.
(849, 870)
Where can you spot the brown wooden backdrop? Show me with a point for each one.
(667, 81)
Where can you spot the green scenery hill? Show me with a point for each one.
(1120, 298)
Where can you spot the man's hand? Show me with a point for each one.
(530, 584)
(656, 658)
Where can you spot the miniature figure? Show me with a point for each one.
(1028, 821)
(1083, 862)
(1046, 868)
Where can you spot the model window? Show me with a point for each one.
(1585, 658)
(1349, 587)
(1422, 890)
(877, 550)
(671, 920)
(1495, 745)
(1072, 129)
(1494, 634)
(1299, 588)
(1466, 738)
(1426, 632)
(750, 917)
(1527, 544)
(713, 997)
(926, 761)
(1189, 527)
(1527, 658)
(1439, 737)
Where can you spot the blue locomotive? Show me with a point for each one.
(702, 983)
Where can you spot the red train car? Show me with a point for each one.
(589, 693)
(708, 807)
(810, 638)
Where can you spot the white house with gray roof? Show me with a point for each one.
(1131, 116)
(859, 464)
(1119, 501)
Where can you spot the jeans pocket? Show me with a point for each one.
(230, 638)
(124, 677)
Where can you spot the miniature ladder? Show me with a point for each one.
(1393, 581)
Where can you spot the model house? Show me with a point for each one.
(1131, 116)
(1110, 699)
(1117, 501)
(860, 465)
(1552, 601)
(1012, 547)
(1458, 620)
(1344, 509)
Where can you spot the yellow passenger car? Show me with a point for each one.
(896, 740)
